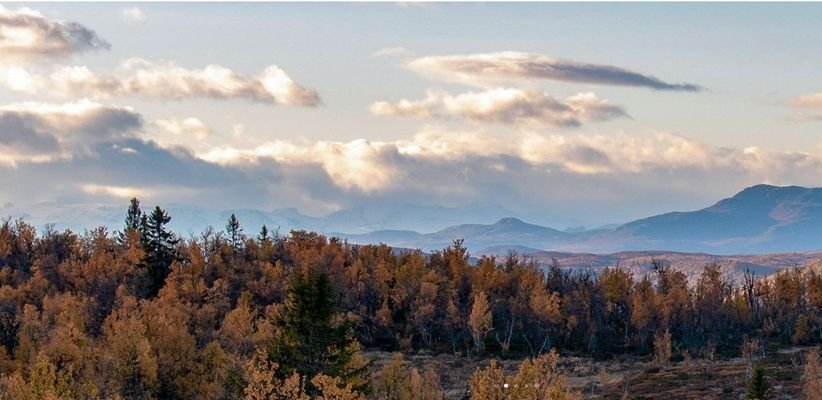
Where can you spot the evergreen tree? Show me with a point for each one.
(159, 245)
(134, 216)
(234, 232)
(758, 388)
(314, 341)
(263, 237)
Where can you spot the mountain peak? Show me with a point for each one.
(510, 221)
(763, 189)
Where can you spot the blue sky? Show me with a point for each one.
(335, 132)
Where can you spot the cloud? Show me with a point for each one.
(190, 133)
(186, 128)
(163, 80)
(42, 131)
(114, 170)
(506, 106)
(359, 164)
(453, 162)
(491, 68)
(808, 106)
(398, 51)
(25, 33)
(114, 191)
(581, 175)
(133, 13)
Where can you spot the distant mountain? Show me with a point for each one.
(405, 216)
(188, 219)
(759, 219)
(506, 231)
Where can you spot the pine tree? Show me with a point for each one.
(134, 216)
(263, 237)
(234, 232)
(159, 245)
(758, 388)
(314, 341)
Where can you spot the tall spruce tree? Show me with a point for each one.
(134, 216)
(159, 245)
(234, 232)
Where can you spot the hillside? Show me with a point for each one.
(760, 219)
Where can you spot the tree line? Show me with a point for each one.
(143, 313)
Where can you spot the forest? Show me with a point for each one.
(144, 313)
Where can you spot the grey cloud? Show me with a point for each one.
(27, 33)
(481, 68)
(48, 130)
(25, 134)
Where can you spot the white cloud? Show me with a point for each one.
(505, 105)
(18, 79)
(491, 69)
(188, 128)
(164, 80)
(122, 192)
(25, 33)
(385, 166)
(359, 164)
(133, 13)
(398, 51)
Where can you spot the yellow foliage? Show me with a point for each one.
(535, 379)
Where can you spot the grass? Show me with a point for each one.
(723, 378)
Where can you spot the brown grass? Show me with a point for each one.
(723, 379)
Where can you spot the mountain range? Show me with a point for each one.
(188, 219)
(760, 219)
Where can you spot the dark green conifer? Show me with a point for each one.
(160, 247)
(758, 388)
(314, 340)
(234, 232)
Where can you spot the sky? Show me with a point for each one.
(598, 113)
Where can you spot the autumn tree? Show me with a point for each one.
(662, 349)
(712, 299)
(398, 381)
(616, 285)
(130, 361)
(535, 379)
(480, 320)
(263, 384)
(812, 376)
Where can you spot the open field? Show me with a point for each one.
(698, 379)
